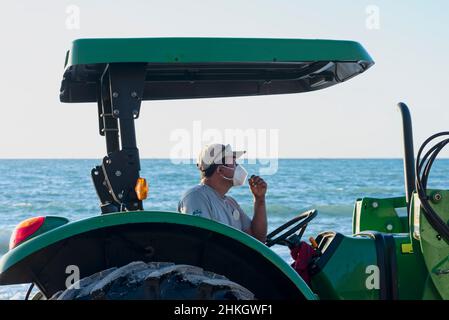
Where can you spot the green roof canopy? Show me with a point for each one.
(180, 68)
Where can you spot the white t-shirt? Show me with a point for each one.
(202, 200)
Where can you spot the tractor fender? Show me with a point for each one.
(113, 240)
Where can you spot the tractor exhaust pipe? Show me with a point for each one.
(409, 155)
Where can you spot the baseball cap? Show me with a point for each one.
(217, 154)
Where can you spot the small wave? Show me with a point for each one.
(335, 210)
(4, 240)
(283, 211)
(22, 205)
(331, 209)
(14, 292)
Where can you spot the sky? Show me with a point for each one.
(358, 119)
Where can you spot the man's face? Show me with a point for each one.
(226, 171)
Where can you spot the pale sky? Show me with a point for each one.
(356, 119)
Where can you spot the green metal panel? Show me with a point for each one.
(188, 50)
(379, 215)
(434, 249)
(344, 276)
(346, 273)
(66, 231)
(411, 270)
(430, 292)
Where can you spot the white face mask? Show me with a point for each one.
(239, 176)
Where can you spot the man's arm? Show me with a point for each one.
(258, 228)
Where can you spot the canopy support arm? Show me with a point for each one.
(120, 96)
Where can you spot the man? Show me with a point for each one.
(219, 173)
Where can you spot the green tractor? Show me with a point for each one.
(129, 253)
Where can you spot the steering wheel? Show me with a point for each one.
(290, 236)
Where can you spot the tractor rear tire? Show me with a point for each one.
(154, 281)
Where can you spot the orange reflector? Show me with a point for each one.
(141, 188)
(313, 242)
(24, 230)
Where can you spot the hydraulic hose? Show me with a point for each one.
(423, 167)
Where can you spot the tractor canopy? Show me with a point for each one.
(183, 68)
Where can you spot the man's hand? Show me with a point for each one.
(258, 228)
(258, 187)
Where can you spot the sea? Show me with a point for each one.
(63, 187)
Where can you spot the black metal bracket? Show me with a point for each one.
(119, 97)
